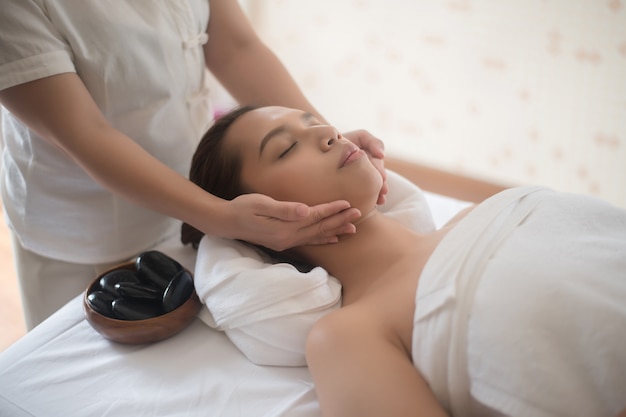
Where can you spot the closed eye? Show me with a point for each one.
(286, 151)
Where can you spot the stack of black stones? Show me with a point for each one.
(156, 285)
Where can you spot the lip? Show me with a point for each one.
(349, 154)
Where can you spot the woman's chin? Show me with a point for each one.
(367, 198)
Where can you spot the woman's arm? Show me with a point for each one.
(244, 65)
(60, 109)
(359, 371)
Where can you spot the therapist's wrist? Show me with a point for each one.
(212, 216)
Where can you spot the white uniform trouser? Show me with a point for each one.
(47, 284)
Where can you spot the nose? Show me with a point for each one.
(328, 138)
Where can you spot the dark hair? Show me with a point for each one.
(214, 170)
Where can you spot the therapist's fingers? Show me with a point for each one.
(326, 227)
(278, 225)
(366, 141)
(382, 196)
(323, 224)
(290, 211)
(379, 164)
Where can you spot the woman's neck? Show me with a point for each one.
(358, 260)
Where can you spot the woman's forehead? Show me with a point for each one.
(253, 125)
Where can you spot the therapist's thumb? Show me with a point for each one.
(291, 211)
(288, 211)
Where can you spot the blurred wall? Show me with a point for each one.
(518, 91)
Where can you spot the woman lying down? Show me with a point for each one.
(516, 307)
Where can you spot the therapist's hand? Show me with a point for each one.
(281, 225)
(375, 149)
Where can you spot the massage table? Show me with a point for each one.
(64, 367)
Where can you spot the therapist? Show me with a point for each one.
(104, 102)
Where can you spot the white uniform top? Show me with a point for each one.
(143, 63)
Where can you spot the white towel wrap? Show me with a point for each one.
(521, 309)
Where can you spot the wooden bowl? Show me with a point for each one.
(140, 331)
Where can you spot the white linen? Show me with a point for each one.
(65, 368)
(268, 309)
(520, 310)
(143, 64)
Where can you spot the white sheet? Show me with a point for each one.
(64, 368)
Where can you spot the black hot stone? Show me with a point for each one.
(102, 302)
(135, 290)
(156, 268)
(178, 291)
(108, 281)
(136, 309)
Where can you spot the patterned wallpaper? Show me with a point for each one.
(517, 91)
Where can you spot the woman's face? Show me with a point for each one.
(290, 156)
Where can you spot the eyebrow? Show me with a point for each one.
(280, 129)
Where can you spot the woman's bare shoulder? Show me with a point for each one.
(358, 317)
